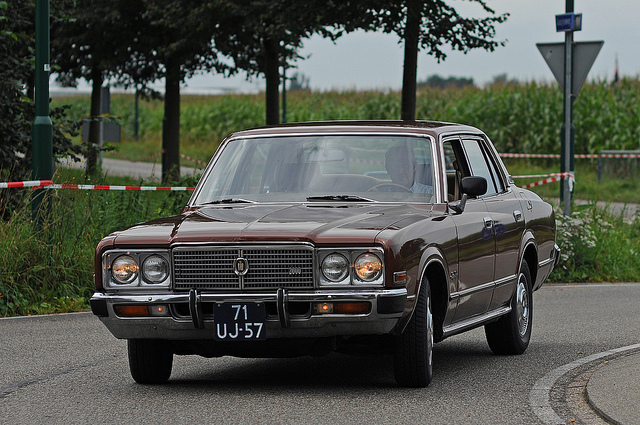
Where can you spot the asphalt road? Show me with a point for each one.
(69, 369)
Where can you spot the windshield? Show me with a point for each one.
(321, 168)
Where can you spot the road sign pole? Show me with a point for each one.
(570, 63)
(42, 129)
(567, 133)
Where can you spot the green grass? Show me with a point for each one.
(49, 268)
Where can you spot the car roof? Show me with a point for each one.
(433, 128)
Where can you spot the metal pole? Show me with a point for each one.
(136, 120)
(284, 94)
(567, 139)
(42, 129)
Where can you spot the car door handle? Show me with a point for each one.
(488, 222)
(517, 214)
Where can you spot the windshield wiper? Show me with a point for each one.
(229, 201)
(349, 198)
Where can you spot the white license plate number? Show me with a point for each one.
(239, 322)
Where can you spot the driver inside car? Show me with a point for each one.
(401, 167)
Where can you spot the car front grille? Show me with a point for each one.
(271, 267)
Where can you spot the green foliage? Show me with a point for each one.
(597, 246)
(438, 82)
(17, 108)
(49, 268)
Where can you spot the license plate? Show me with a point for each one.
(239, 322)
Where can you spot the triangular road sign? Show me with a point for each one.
(584, 54)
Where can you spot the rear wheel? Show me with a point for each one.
(413, 359)
(512, 332)
(150, 360)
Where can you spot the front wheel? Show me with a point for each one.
(413, 358)
(512, 332)
(150, 361)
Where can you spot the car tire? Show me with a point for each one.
(150, 361)
(512, 332)
(413, 358)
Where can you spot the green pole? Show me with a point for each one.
(568, 135)
(42, 129)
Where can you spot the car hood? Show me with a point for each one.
(315, 223)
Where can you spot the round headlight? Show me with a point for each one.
(368, 267)
(335, 267)
(124, 269)
(155, 269)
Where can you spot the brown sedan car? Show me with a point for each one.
(305, 239)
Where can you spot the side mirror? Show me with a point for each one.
(470, 187)
(473, 186)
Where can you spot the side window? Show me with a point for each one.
(480, 164)
(456, 167)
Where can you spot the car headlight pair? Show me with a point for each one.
(127, 269)
(351, 267)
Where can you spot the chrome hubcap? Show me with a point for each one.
(522, 305)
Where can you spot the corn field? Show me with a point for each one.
(519, 118)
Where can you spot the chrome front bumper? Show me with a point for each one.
(387, 306)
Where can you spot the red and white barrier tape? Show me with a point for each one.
(48, 184)
(366, 161)
(530, 176)
(111, 187)
(197, 161)
(529, 155)
(579, 156)
(33, 183)
(619, 155)
(554, 178)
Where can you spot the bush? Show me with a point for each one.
(597, 246)
(48, 267)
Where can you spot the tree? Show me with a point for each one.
(175, 44)
(429, 25)
(17, 41)
(299, 82)
(436, 81)
(89, 42)
(260, 36)
(134, 43)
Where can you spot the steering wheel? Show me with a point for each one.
(389, 187)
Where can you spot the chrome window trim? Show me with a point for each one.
(378, 133)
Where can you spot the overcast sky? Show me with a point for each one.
(364, 61)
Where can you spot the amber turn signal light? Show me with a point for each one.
(357, 307)
(131, 310)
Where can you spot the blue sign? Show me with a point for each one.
(569, 22)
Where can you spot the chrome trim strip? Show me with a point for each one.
(545, 262)
(181, 328)
(340, 130)
(505, 280)
(473, 290)
(293, 295)
(483, 287)
(475, 321)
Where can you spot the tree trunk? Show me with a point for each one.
(409, 77)
(272, 76)
(171, 124)
(94, 123)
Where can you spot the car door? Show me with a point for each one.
(476, 246)
(507, 220)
